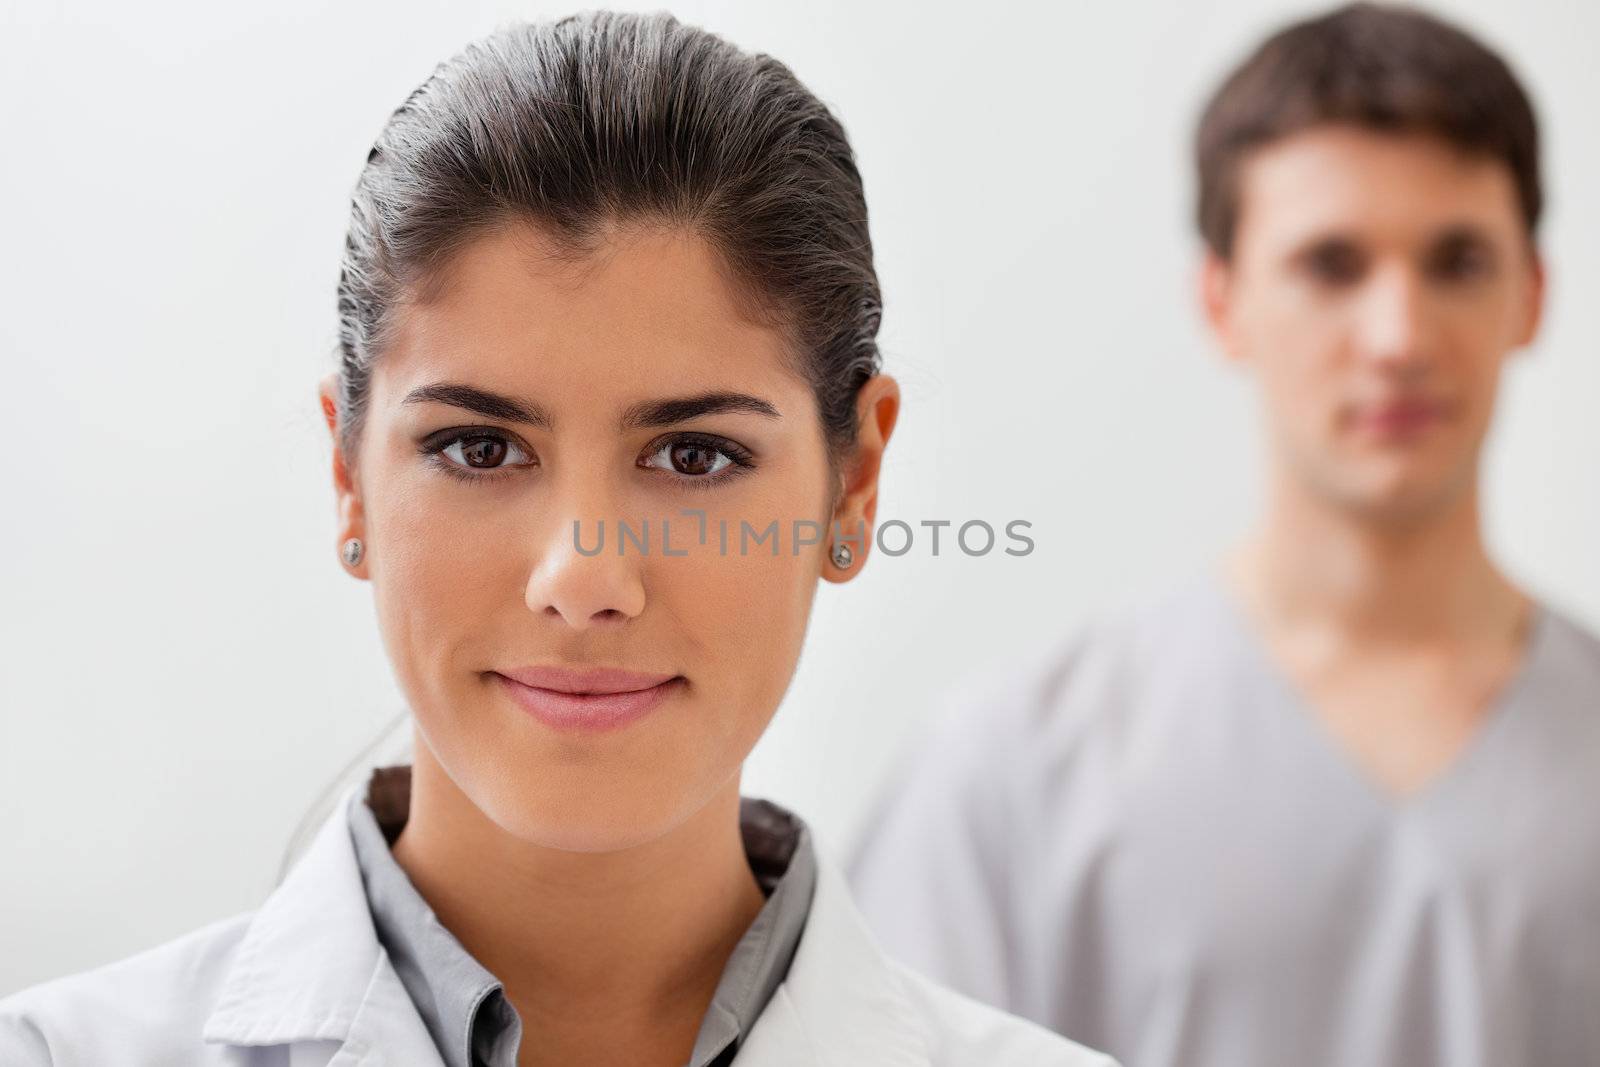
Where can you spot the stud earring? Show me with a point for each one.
(352, 551)
(842, 556)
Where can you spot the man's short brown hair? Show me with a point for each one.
(1379, 66)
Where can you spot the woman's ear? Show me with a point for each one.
(877, 408)
(347, 498)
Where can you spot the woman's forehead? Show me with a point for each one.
(646, 313)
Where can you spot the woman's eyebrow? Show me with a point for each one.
(681, 409)
(645, 414)
(491, 405)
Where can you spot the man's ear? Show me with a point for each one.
(877, 409)
(1533, 310)
(1216, 301)
(347, 497)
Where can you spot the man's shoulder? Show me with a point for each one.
(1576, 644)
(964, 1032)
(161, 990)
(1103, 673)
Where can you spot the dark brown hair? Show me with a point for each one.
(1379, 66)
(609, 117)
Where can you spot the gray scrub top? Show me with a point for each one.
(464, 1006)
(1147, 842)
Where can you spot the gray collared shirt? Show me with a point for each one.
(464, 1006)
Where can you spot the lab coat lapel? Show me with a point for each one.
(310, 968)
(386, 1029)
(841, 1004)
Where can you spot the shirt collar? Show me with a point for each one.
(778, 846)
(463, 1004)
(450, 988)
(310, 969)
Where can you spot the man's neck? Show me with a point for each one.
(1400, 638)
(1314, 565)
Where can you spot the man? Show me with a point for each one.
(1338, 802)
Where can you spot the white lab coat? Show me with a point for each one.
(303, 982)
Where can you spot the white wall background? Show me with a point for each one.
(185, 663)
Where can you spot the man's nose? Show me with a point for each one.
(1395, 324)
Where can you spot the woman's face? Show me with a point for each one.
(636, 390)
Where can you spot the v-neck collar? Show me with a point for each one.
(1505, 706)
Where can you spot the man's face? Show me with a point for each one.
(1377, 284)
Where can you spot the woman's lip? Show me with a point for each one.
(585, 680)
(561, 710)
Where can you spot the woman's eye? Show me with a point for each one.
(696, 457)
(475, 456)
(692, 457)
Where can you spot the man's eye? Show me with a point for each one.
(1462, 262)
(1336, 264)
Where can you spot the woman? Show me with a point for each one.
(607, 408)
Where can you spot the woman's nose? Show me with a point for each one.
(581, 577)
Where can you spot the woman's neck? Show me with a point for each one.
(604, 955)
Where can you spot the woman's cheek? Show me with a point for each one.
(744, 615)
(773, 606)
(427, 587)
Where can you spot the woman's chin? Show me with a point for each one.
(587, 821)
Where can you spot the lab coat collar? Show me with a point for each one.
(842, 1003)
(310, 968)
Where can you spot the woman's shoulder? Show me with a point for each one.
(157, 996)
(966, 1033)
